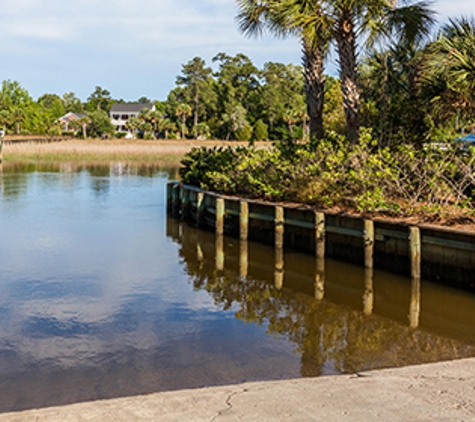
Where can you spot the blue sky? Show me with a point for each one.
(133, 49)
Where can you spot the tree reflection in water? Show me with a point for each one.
(330, 337)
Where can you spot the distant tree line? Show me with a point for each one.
(406, 86)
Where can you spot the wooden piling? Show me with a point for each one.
(243, 258)
(220, 212)
(243, 220)
(368, 243)
(279, 227)
(175, 199)
(185, 199)
(368, 296)
(279, 269)
(415, 251)
(200, 208)
(415, 307)
(320, 234)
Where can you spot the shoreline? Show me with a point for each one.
(438, 391)
(94, 150)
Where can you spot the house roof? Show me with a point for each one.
(130, 107)
(71, 116)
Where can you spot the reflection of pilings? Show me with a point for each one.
(368, 296)
(243, 258)
(279, 268)
(199, 253)
(368, 243)
(320, 279)
(415, 308)
(220, 253)
(320, 234)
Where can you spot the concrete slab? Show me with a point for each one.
(436, 392)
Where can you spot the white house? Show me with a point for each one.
(120, 113)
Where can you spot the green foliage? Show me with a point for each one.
(261, 132)
(335, 173)
(244, 134)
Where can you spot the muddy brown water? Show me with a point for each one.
(103, 295)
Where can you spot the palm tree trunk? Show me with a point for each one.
(183, 127)
(313, 63)
(346, 45)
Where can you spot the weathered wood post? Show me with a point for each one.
(320, 234)
(279, 268)
(415, 251)
(176, 199)
(220, 212)
(279, 227)
(243, 220)
(200, 208)
(320, 279)
(368, 236)
(185, 200)
(415, 307)
(243, 258)
(169, 196)
(368, 296)
(220, 252)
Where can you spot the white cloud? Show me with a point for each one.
(83, 43)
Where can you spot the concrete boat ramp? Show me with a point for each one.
(435, 392)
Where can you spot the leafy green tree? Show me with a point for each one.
(195, 76)
(72, 103)
(100, 99)
(100, 124)
(6, 119)
(235, 118)
(261, 131)
(53, 104)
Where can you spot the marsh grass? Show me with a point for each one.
(98, 151)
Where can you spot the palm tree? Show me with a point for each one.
(18, 115)
(292, 18)
(6, 119)
(450, 69)
(155, 117)
(183, 111)
(132, 124)
(83, 122)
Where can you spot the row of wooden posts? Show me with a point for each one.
(279, 264)
(179, 203)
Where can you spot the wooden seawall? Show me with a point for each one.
(418, 251)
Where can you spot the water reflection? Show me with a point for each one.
(332, 312)
(104, 296)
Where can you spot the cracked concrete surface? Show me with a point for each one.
(435, 392)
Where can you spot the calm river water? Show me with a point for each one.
(102, 295)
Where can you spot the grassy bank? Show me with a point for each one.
(99, 151)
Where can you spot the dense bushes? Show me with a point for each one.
(400, 181)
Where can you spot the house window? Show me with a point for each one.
(115, 116)
(125, 117)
